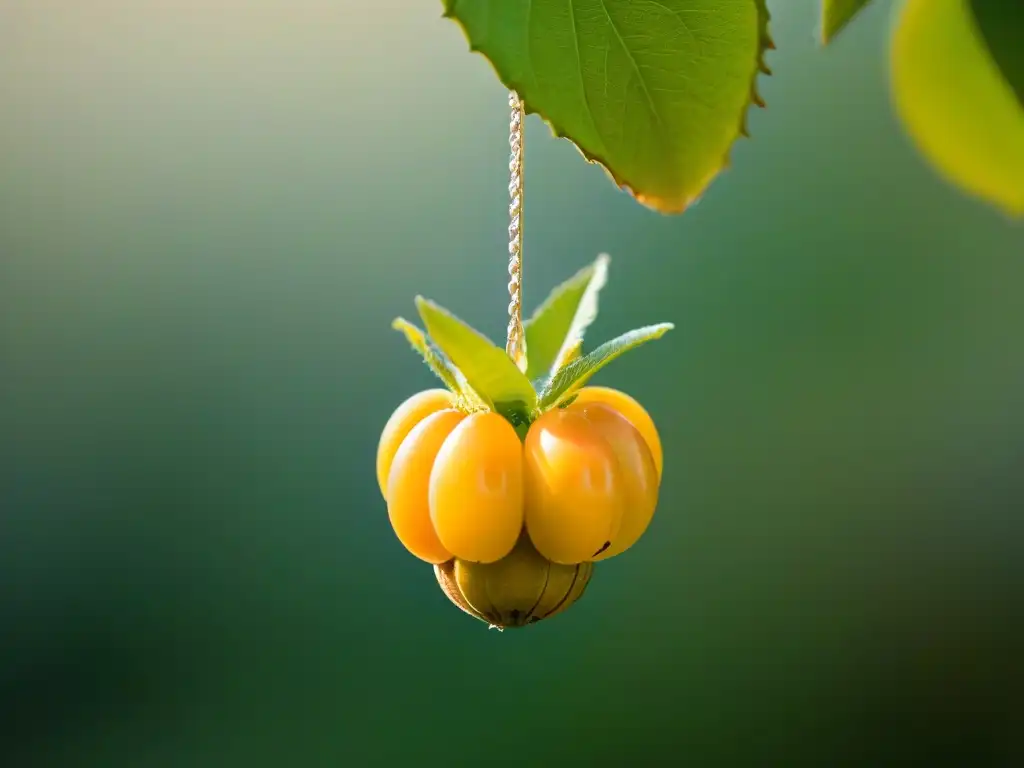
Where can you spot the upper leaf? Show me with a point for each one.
(956, 103)
(487, 369)
(557, 327)
(654, 90)
(575, 374)
(836, 14)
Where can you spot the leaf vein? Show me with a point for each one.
(583, 85)
(632, 60)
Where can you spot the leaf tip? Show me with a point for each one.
(836, 16)
(826, 33)
(425, 307)
(765, 44)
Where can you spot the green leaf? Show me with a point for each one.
(836, 14)
(576, 373)
(558, 325)
(1001, 24)
(434, 359)
(486, 368)
(656, 91)
(954, 101)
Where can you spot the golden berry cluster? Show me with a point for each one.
(463, 488)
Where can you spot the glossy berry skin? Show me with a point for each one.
(406, 416)
(591, 479)
(634, 413)
(453, 482)
(575, 489)
(462, 488)
(409, 485)
(476, 489)
(637, 472)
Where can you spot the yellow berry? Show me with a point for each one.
(409, 485)
(573, 486)
(634, 413)
(476, 489)
(406, 416)
(638, 473)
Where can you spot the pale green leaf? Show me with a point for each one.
(486, 368)
(656, 91)
(557, 327)
(955, 102)
(575, 374)
(836, 14)
(434, 359)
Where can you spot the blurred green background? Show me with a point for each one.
(209, 215)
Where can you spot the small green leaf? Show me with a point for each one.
(955, 102)
(557, 327)
(487, 369)
(656, 91)
(574, 352)
(836, 14)
(434, 359)
(575, 374)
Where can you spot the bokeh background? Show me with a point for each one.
(209, 215)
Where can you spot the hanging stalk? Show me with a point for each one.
(515, 345)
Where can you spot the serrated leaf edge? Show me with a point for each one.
(552, 397)
(765, 43)
(435, 360)
(466, 398)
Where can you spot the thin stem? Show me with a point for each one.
(516, 343)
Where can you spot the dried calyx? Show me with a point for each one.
(520, 589)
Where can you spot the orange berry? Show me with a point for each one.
(634, 413)
(476, 489)
(574, 490)
(409, 485)
(639, 475)
(406, 416)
